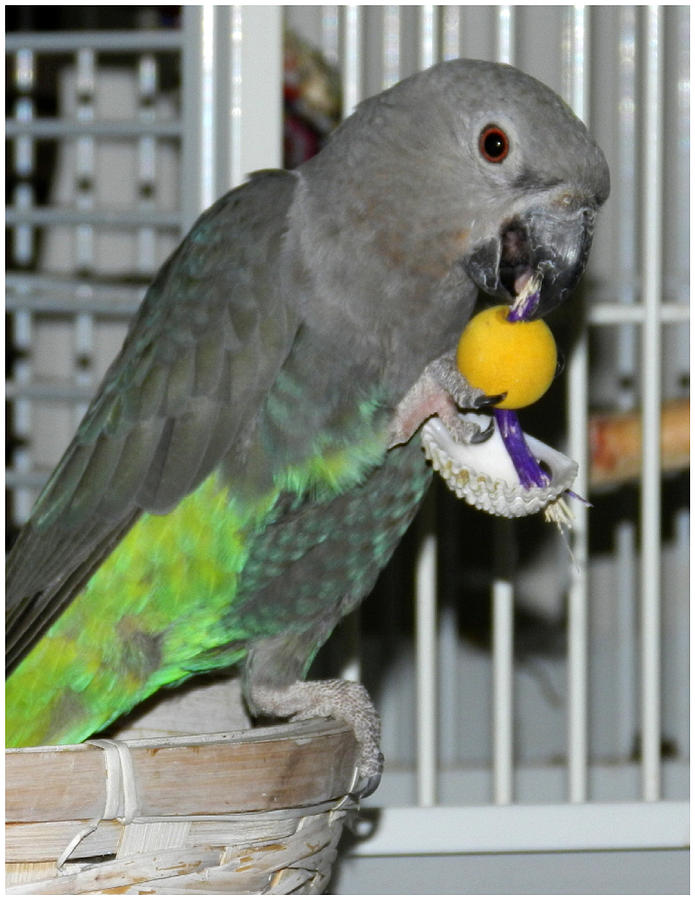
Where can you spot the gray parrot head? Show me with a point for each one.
(495, 157)
(542, 176)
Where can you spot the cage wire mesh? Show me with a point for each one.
(539, 678)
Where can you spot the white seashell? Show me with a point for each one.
(484, 474)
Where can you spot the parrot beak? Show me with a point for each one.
(553, 242)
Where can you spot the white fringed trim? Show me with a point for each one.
(484, 475)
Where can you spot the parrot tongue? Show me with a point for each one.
(521, 281)
(514, 268)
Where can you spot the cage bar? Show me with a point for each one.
(451, 27)
(206, 128)
(24, 111)
(45, 216)
(505, 34)
(503, 664)
(147, 159)
(61, 128)
(626, 564)
(650, 501)
(528, 828)
(391, 49)
(426, 664)
(72, 41)
(24, 74)
(625, 197)
(426, 576)
(330, 33)
(429, 35)
(84, 175)
(576, 76)
(502, 585)
(352, 58)
(258, 56)
(615, 313)
(236, 78)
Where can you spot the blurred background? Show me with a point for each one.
(521, 674)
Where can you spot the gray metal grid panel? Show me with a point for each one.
(92, 106)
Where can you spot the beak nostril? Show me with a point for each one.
(589, 215)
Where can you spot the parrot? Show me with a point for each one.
(250, 461)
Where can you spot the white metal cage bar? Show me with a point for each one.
(650, 509)
(84, 177)
(502, 585)
(392, 46)
(352, 57)
(426, 662)
(426, 695)
(528, 828)
(24, 238)
(576, 79)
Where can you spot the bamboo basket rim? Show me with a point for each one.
(298, 764)
(253, 811)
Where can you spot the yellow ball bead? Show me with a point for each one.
(498, 356)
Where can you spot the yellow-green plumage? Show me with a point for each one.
(123, 636)
(177, 594)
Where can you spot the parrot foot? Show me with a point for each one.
(441, 390)
(336, 699)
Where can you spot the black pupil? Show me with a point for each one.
(494, 144)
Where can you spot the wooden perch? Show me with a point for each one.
(616, 443)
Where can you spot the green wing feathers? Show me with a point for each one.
(167, 601)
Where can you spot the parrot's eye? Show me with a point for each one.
(493, 143)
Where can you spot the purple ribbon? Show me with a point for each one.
(529, 472)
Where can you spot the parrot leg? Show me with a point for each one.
(440, 390)
(268, 692)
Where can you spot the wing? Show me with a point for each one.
(205, 347)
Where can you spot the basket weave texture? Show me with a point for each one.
(257, 811)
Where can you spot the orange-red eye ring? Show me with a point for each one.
(493, 144)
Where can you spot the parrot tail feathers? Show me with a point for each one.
(33, 603)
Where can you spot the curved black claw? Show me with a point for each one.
(483, 434)
(489, 400)
(366, 785)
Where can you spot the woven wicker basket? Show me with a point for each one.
(256, 811)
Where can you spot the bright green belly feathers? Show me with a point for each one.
(155, 603)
